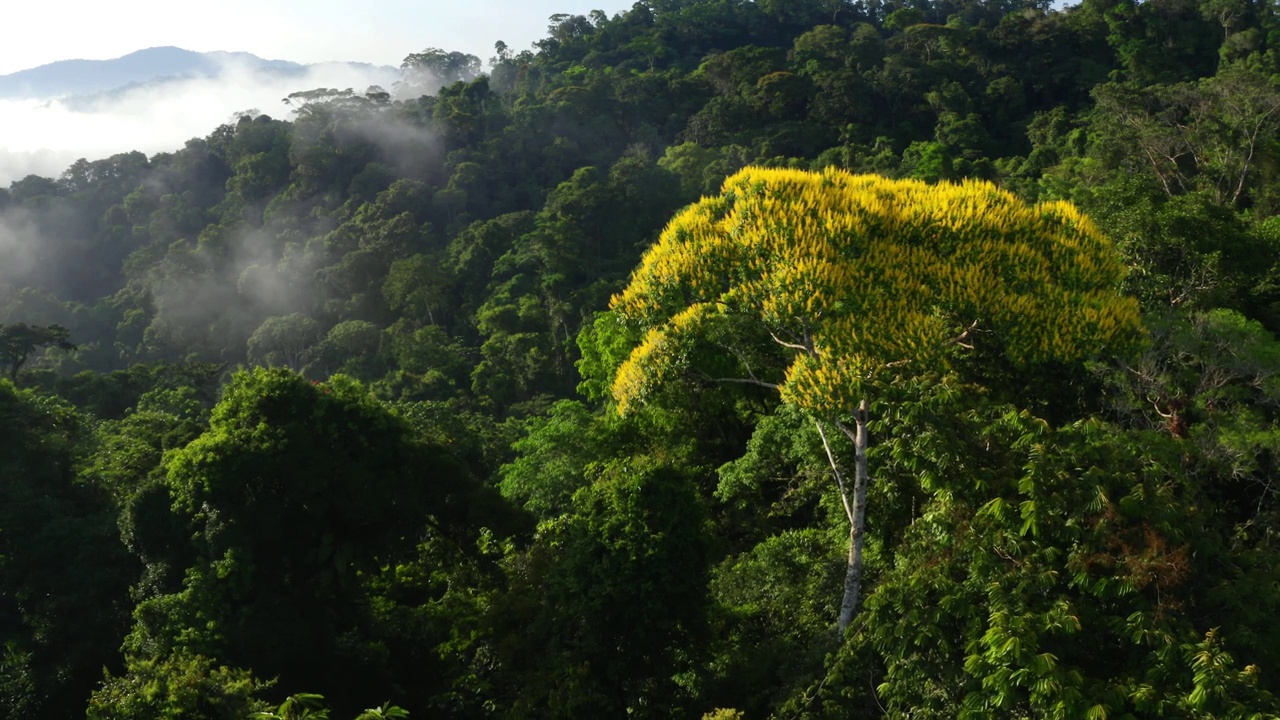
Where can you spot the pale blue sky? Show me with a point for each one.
(376, 31)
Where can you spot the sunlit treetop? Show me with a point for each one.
(860, 273)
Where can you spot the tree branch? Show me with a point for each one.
(793, 346)
(835, 468)
(743, 359)
(743, 381)
(962, 337)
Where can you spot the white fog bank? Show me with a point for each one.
(43, 137)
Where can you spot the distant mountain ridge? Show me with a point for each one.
(67, 78)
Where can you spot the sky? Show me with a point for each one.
(376, 31)
(44, 136)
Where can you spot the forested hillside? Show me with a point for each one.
(727, 359)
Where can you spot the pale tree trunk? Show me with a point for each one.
(857, 523)
(855, 508)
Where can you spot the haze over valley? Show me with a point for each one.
(152, 101)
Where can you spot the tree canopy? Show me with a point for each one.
(19, 340)
(859, 274)
(850, 276)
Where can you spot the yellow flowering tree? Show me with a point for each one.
(852, 276)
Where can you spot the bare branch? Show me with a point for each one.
(743, 381)
(1155, 404)
(742, 359)
(793, 346)
(835, 468)
(1004, 555)
(795, 337)
(964, 336)
(853, 437)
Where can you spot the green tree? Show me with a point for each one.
(18, 341)
(1187, 252)
(563, 451)
(430, 364)
(620, 588)
(300, 706)
(295, 492)
(352, 348)
(64, 577)
(433, 68)
(859, 278)
(283, 341)
(416, 287)
(1042, 546)
(179, 686)
(1214, 134)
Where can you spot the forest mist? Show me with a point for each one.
(44, 136)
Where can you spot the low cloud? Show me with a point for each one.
(43, 137)
(202, 305)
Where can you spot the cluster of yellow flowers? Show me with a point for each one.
(875, 273)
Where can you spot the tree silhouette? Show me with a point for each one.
(18, 341)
